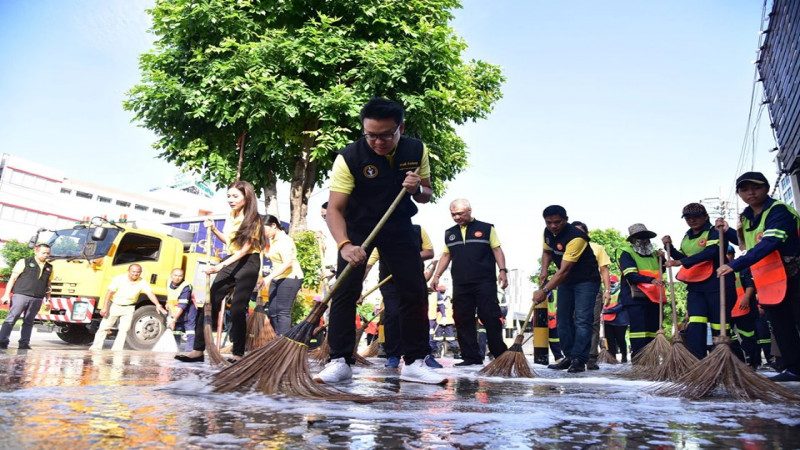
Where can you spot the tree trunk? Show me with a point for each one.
(270, 191)
(303, 181)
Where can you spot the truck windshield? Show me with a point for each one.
(72, 243)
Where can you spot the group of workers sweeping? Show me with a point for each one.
(375, 183)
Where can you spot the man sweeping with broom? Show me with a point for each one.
(577, 280)
(770, 230)
(366, 177)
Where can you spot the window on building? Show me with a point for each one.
(82, 194)
(66, 191)
(123, 203)
(160, 212)
(141, 208)
(174, 215)
(102, 199)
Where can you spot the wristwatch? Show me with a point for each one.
(545, 290)
(503, 269)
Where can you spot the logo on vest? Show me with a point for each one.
(702, 242)
(452, 237)
(370, 171)
(478, 233)
(559, 247)
(31, 264)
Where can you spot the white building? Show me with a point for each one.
(34, 196)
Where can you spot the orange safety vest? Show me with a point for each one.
(646, 266)
(700, 271)
(736, 311)
(769, 274)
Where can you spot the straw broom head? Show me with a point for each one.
(259, 329)
(372, 350)
(679, 361)
(722, 369)
(512, 363)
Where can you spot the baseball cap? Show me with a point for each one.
(751, 177)
(694, 209)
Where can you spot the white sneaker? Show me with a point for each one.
(418, 372)
(335, 371)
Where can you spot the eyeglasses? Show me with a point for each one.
(383, 136)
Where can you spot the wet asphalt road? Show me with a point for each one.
(61, 396)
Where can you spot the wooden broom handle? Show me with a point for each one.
(672, 291)
(722, 247)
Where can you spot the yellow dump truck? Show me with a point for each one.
(86, 257)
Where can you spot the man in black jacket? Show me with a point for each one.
(27, 288)
(474, 248)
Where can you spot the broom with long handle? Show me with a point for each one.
(647, 360)
(722, 369)
(213, 350)
(512, 363)
(281, 366)
(680, 359)
(360, 360)
(604, 356)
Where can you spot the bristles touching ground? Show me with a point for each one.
(605, 357)
(213, 352)
(259, 329)
(372, 350)
(722, 370)
(280, 367)
(648, 359)
(511, 364)
(320, 355)
(679, 361)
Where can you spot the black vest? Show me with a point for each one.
(29, 283)
(377, 184)
(585, 269)
(471, 258)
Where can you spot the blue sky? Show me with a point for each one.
(621, 111)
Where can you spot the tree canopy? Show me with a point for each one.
(293, 75)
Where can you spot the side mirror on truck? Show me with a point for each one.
(100, 233)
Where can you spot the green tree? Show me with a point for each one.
(293, 74)
(12, 252)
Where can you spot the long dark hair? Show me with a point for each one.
(252, 227)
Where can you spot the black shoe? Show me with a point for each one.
(233, 360)
(591, 365)
(624, 361)
(576, 367)
(24, 347)
(785, 376)
(190, 359)
(3, 346)
(561, 365)
(467, 362)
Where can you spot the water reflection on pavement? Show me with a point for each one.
(67, 396)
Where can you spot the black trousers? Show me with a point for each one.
(400, 252)
(784, 319)
(615, 335)
(242, 277)
(282, 293)
(481, 298)
(391, 316)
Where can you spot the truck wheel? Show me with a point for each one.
(75, 334)
(148, 325)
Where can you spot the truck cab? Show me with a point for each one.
(87, 257)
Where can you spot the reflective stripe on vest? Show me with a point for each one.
(172, 297)
(769, 274)
(737, 311)
(647, 266)
(700, 271)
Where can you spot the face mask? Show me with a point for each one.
(642, 246)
